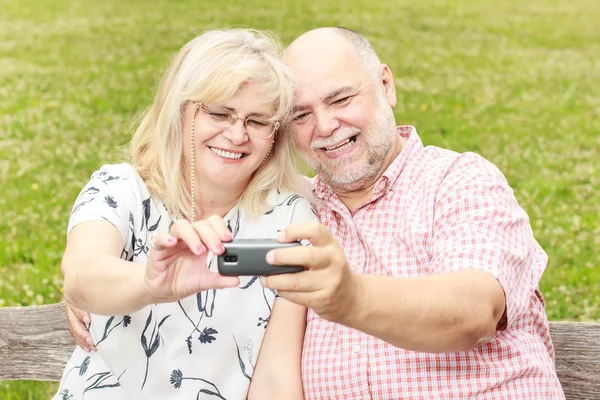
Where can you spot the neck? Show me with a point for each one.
(215, 200)
(358, 193)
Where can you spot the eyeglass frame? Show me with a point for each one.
(205, 109)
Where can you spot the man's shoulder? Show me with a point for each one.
(446, 164)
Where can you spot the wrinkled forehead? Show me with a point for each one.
(321, 71)
(320, 62)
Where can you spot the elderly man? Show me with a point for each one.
(422, 278)
(422, 281)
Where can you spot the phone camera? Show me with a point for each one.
(231, 258)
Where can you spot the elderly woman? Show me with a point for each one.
(208, 164)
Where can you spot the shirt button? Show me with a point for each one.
(356, 349)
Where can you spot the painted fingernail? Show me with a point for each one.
(270, 257)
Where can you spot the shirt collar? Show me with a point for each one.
(389, 177)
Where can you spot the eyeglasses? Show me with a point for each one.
(221, 117)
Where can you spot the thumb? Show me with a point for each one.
(214, 280)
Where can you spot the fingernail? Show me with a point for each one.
(87, 349)
(270, 257)
(228, 235)
(86, 319)
(201, 249)
(89, 341)
(171, 239)
(220, 247)
(263, 281)
(281, 236)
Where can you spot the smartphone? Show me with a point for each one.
(248, 257)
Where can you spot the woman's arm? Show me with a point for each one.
(95, 278)
(277, 373)
(98, 281)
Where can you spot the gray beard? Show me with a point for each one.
(377, 151)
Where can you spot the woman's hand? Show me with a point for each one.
(176, 265)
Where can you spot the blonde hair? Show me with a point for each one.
(211, 68)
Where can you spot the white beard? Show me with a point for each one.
(378, 139)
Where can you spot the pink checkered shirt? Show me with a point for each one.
(435, 211)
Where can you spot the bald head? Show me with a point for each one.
(316, 44)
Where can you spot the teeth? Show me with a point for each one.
(226, 154)
(348, 143)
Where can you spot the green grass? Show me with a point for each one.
(518, 82)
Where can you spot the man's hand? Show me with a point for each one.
(77, 320)
(328, 286)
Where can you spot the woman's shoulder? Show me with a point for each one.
(115, 172)
(287, 202)
(121, 176)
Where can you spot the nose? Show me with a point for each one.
(236, 133)
(326, 122)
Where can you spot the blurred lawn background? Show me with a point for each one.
(517, 82)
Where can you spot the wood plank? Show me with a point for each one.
(577, 346)
(35, 342)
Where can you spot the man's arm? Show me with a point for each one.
(439, 313)
(442, 313)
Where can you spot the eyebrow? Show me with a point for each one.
(337, 92)
(329, 97)
(255, 114)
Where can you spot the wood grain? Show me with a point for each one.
(577, 346)
(35, 344)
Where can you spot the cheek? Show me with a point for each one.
(359, 116)
(302, 138)
(264, 147)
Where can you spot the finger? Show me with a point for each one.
(81, 315)
(309, 256)
(313, 231)
(78, 329)
(220, 227)
(183, 230)
(209, 236)
(307, 281)
(214, 280)
(164, 241)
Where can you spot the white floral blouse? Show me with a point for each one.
(203, 346)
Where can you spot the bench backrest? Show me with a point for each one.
(35, 344)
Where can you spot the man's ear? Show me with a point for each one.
(387, 79)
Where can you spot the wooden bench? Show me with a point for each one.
(35, 344)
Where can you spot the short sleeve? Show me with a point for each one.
(106, 197)
(301, 210)
(479, 224)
